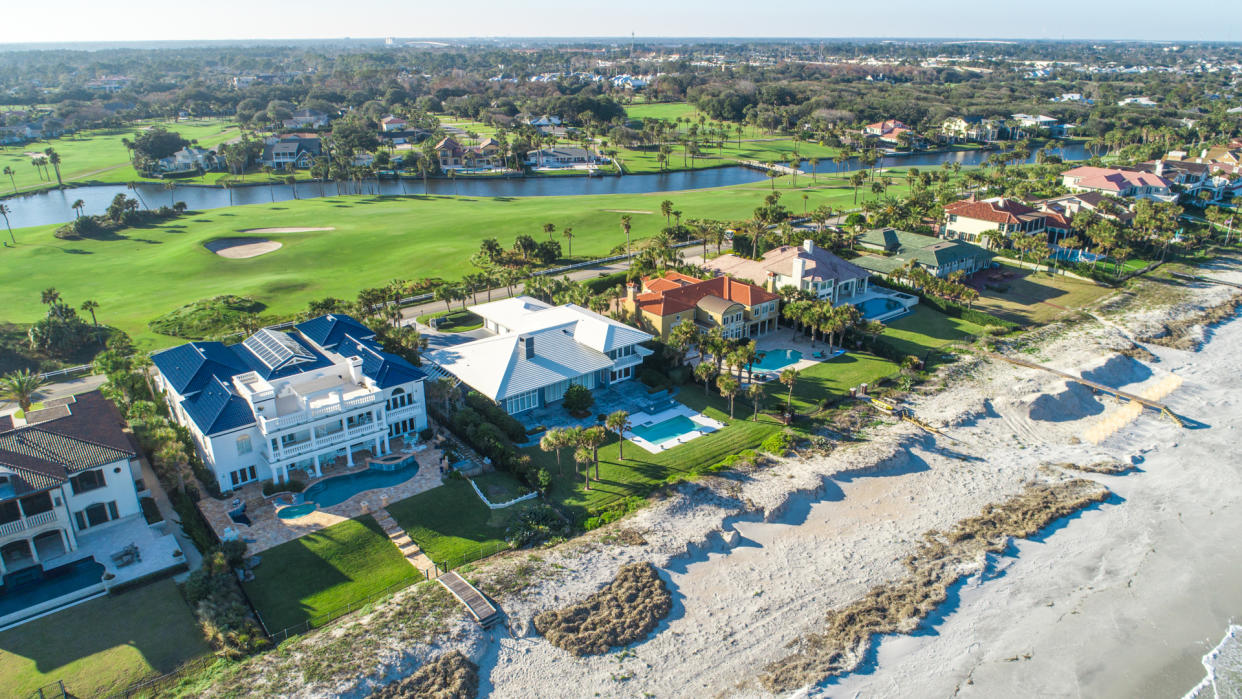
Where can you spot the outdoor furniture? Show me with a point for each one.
(127, 556)
(817, 355)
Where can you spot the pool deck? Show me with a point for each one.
(267, 530)
(705, 424)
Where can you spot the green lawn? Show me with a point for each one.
(98, 156)
(500, 487)
(833, 379)
(103, 645)
(454, 321)
(145, 272)
(324, 571)
(1036, 297)
(926, 329)
(640, 472)
(450, 523)
(779, 150)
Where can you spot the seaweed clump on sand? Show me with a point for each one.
(1177, 333)
(1108, 468)
(623, 612)
(451, 676)
(941, 560)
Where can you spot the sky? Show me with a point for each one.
(137, 20)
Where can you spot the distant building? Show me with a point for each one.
(939, 257)
(978, 129)
(1121, 182)
(289, 151)
(972, 219)
(189, 159)
(888, 131)
(560, 156)
(307, 119)
(393, 123)
(1137, 102)
(454, 156)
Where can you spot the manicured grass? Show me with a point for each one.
(451, 524)
(321, 572)
(1036, 297)
(455, 321)
(98, 156)
(926, 329)
(640, 472)
(103, 645)
(500, 487)
(832, 380)
(148, 271)
(778, 150)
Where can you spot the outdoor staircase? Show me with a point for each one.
(413, 555)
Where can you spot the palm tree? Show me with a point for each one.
(582, 455)
(549, 228)
(5, 211)
(568, 235)
(728, 388)
(789, 377)
(77, 207)
(592, 438)
(20, 386)
(90, 306)
(618, 422)
(704, 371)
(172, 455)
(170, 186)
(54, 158)
(554, 440)
(625, 226)
(9, 171)
(756, 392)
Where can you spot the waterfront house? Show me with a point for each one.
(740, 309)
(539, 351)
(808, 267)
(972, 219)
(454, 156)
(938, 256)
(1119, 182)
(978, 129)
(291, 400)
(560, 156)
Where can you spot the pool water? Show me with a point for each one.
(295, 511)
(50, 584)
(874, 308)
(665, 430)
(771, 360)
(336, 490)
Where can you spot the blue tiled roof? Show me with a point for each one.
(252, 363)
(217, 409)
(328, 330)
(190, 367)
(386, 370)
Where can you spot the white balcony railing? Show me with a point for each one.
(327, 442)
(270, 425)
(31, 522)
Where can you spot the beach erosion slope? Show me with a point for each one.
(1122, 599)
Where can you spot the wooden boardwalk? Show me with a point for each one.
(1155, 405)
(473, 600)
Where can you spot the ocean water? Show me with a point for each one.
(1224, 669)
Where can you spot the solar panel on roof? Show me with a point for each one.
(275, 349)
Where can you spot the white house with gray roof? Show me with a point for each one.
(540, 351)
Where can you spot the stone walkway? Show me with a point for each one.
(413, 555)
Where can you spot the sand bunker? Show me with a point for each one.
(627, 211)
(241, 248)
(288, 230)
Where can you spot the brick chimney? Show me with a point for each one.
(631, 291)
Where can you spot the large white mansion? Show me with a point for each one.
(285, 401)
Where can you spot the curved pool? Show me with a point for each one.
(295, 511)
(874, 308)
(338, 489)
(772, 360)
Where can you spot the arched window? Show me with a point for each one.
(399, 399)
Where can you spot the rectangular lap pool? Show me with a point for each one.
(874, 308)
(666, 430)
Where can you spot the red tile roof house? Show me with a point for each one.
(738, 308)
(1118, 182)
(888, 130)
(970, 219)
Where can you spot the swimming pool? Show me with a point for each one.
(336, 490)
(771, 360)
(27, 588)
(666, 430)
(874, 308)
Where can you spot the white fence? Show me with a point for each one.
(500, 506)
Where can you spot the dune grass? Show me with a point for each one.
(102, 646)
(321, 572)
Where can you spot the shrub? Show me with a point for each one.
(293, 485)
(578, 399)
(222, 610)
(535, 525)
(614, 512)
(426, 434)
(192, 522)
(625, 611)
(778, 443)
(206, 318)
(234, 552)
(150, 510)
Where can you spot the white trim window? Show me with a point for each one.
(522, 402)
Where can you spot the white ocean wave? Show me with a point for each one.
(1224, 669)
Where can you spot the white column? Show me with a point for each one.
(34, 552)
(387, 445)
(376, 450)
(318, 469)
(349, 455)
(3, 570)
(64, 540)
